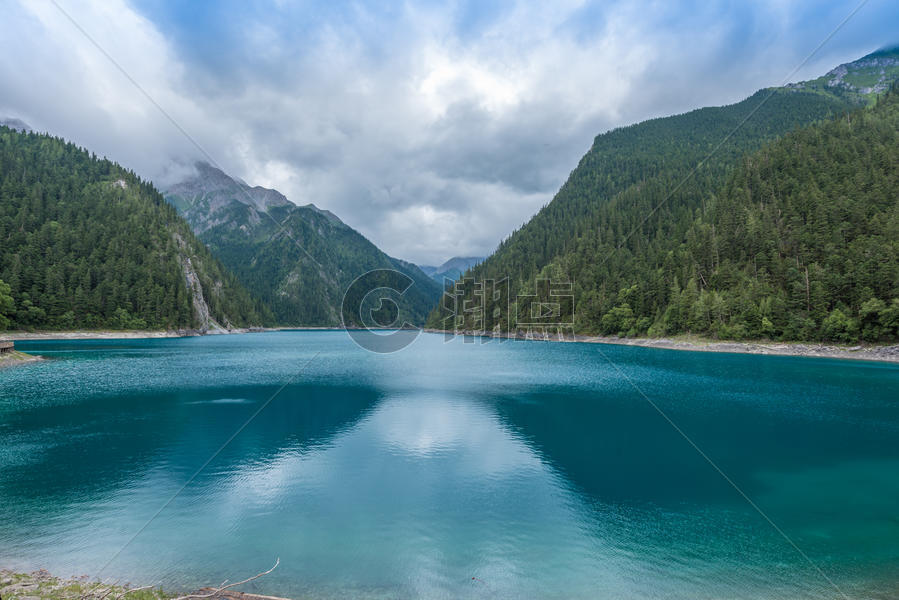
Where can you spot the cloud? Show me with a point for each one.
(433, 128)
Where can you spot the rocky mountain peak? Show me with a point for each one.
(216, 188)
(860, 79)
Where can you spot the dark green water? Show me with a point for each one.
(451, 470)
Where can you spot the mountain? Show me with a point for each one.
(17, 124)
(88, 244)
(617, 227)
(299, 260)
(802, 243)
(452, 269)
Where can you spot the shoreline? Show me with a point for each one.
(109, 334)
(870, 352)
(147, 334)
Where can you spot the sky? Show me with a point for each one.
(433, 128)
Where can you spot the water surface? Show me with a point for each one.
(451, 470)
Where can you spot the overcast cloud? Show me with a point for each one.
(435, 129)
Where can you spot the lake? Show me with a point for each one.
(451, 470)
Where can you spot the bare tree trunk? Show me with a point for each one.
(224, 587)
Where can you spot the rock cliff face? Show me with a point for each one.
(202, 313)
(298, 259)
(195, 289)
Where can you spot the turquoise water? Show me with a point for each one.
(451, 470)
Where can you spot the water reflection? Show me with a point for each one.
(451, 472)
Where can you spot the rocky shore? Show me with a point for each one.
(9, 359)
(697, 344)
(41, 585)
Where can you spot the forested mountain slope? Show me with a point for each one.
(802, 243)
(623, 215)
(298, 259)
(85, 243)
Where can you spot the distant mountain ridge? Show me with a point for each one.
(452, 269)
(298, 259)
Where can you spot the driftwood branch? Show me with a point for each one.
(223, 587)
(104, 590)
(109, 590)
(91, 593)
(137, 589)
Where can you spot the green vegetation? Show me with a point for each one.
(87, 244)
(798, 241)
(7, 305)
